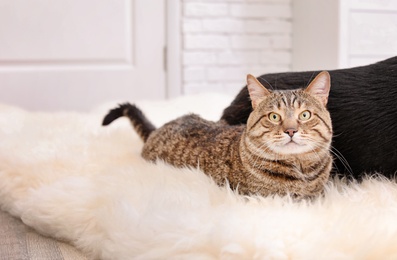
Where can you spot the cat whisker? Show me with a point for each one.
(343, 160)
(337, 135)
(263, 151)
(313, 151)
(268, 83)
(338, 155)
(310, 79)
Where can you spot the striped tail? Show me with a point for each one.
(138, 120)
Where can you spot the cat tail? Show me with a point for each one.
(138, 120)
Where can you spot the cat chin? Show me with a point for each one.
(291, 148)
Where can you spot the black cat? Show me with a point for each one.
(363, 107)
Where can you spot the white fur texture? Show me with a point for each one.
(68, 177)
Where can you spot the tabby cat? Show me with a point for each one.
(283, 149)
(363, 107)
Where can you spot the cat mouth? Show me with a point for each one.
(293, 147)
(292, 142)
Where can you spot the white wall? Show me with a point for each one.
(316, 35)
(342, 33)
(223, 40)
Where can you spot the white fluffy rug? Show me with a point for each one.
(69, 178)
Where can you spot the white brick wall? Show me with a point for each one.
(223, 40)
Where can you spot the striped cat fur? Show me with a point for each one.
(283, 149)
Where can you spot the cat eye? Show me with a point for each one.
(305, 115)
(274, 117)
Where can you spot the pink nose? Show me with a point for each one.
(291, 131)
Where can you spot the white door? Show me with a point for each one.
(75, 54)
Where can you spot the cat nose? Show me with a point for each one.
(290, 131)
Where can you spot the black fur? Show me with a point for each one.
(114, 114)
(137, 118)
(363, 107)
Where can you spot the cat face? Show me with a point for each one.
(292, 121)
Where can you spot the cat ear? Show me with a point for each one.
(256, 90)
(320, 87)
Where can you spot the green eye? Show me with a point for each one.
(274, 117)
(305, 115)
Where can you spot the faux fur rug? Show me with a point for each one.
(69, 178)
